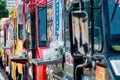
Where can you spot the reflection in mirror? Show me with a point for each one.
(80, 32)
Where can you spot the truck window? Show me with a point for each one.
(20, 31)
(97, 24)
(42, 26)
(114, 21)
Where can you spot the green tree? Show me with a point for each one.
(3, 10)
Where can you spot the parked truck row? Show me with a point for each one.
(62, 40)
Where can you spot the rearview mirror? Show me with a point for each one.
(79, 32)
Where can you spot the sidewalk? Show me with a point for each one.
(3, 75)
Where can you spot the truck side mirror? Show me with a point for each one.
(79, 32)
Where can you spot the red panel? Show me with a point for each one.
(23, 10)
(32, 4)
(41, 2)
(39, 71)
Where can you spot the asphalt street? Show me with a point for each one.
(3, 75)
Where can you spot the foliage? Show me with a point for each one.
(3, 10)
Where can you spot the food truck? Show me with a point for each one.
(72, 39)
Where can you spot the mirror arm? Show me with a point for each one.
(92, 25)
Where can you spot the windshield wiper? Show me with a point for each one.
(114, 10)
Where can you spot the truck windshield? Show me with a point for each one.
(114, 20)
